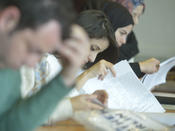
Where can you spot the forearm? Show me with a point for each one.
(63, 111)
(30, 113)
(82, 79)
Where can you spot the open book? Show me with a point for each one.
(125, 90)
(160, 77)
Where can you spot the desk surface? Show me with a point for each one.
(68, 125)
(71, 125)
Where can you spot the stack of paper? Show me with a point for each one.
(125, 90)
(160, 77)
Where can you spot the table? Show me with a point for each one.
(68, 125)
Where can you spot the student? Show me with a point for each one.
(112, 10)
(130, 48)
(135, 7)
(26, 33)
(46, 70)
(102, 37)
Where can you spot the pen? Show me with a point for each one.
(96, 101)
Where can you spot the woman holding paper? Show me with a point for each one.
(102, 37)
(127, 46)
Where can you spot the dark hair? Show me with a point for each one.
(37, 12)
(97, 26)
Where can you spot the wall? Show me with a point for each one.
(156, 30)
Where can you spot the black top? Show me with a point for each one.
(127, 51)
(130, 49)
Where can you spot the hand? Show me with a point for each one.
(73, 53)
(84, 102)
(102, 96)
(149, 66)
(100, 70)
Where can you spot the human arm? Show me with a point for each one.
(98, 70)
(145, 67)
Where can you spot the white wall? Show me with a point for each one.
(156, 30)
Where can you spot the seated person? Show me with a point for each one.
(25, 35)
(102, 37)
(123, 24)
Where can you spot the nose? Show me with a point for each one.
(123, 40)
(92, 57)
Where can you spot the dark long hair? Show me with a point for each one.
(98, 26)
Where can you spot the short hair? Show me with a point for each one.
(37, 12)
(97, 25)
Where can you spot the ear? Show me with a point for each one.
(9, 18)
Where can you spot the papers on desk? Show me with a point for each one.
(164, 118)
(116, 120)
(125, 90)
(160, 77)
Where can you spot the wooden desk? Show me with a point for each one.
(68, 125)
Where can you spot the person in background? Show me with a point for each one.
(29, 28)
(129, 49)
(112, 9)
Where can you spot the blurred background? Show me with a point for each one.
(156, 30)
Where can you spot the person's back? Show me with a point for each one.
(9, 96)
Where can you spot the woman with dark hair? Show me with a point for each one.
(102, 38)
(119, 16)
(129, 48)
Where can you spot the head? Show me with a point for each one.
(30, 28)
(121, 34)
(100, 31)
(137, 12)
(121, 20)
(135, 7)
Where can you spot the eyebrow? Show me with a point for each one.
(123, 31)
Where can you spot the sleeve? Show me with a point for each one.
(136, 69)
(62, 112)
(130, 49)
(28, 114)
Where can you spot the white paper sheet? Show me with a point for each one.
(160, 77)
(125, 91)
(164, 118)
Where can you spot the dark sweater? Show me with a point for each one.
(129, 50)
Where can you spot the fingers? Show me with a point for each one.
(149, 66)
(104, 66)
(102, 75)
(93, 106)
(90, 104)
(102, 96)
(156, 64)
(111, 68)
